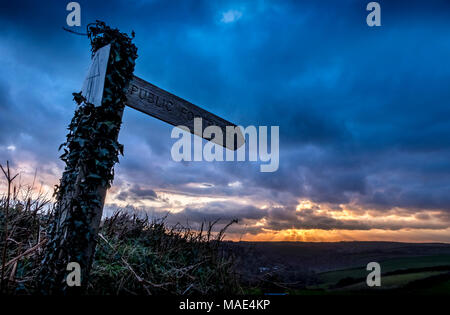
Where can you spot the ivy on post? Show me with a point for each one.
(90, 152)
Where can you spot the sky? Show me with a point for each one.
(363, 111)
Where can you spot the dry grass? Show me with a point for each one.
(23, 222)
(134, 255)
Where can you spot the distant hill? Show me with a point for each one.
(307, 267)
(320, 257)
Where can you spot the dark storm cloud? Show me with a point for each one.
(362, 111)
(137, 193)
(222, 211)
(281, 218)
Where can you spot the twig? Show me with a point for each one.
(74, 32)
(13, 272)
(5, 246)
(187, 289)
(25, 253)
(222, 231)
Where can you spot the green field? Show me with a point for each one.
(395, 281)
(417, 274)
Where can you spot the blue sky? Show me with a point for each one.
(363, 112)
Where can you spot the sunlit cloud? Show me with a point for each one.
(346, 171)
(235, 184)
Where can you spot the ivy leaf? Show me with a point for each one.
(92, 175)
(103, 152)
(78, 98)
(80, 141)
(110, 125)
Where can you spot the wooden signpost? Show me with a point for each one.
(176, 111)
(80, 209)
(94, 83)
(154, 101)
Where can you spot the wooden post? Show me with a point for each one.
(91, 151)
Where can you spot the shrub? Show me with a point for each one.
(134, 255)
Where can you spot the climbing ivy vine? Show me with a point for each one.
(90, 152)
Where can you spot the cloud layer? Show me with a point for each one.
(364, 133)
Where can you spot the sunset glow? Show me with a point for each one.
(363, 140)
